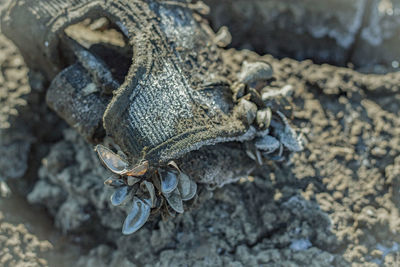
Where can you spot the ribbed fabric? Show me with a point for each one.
(158, 112)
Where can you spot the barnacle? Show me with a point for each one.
(178, 118)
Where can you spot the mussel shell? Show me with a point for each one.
(169, 181)
(114, 182)
(111, 160)
(193, 191)
(132, 180)
(186, 187)
(138, 170)
(119, 195)
(175, 201)
(150, 188)
(137, 216)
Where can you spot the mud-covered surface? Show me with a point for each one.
(334, 204)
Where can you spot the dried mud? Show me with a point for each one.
(19, 247)
(334, 204)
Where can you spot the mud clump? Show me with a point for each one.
(19, 247)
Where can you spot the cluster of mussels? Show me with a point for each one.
(149, 190)
(264, 108)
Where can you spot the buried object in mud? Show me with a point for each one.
(175, 106)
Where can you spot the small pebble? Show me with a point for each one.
(255, 71)
(247, 109)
